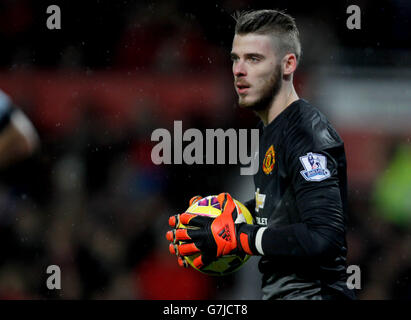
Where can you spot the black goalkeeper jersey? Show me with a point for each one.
(301, 195)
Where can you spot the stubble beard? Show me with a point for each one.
(268, 95)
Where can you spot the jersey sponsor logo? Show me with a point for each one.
(261, 221)
(315, 166)
(259, 200)
(269, 160)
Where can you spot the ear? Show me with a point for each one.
(289, 64)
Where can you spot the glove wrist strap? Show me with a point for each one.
(246, 235)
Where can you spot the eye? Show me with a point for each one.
(254, 59)
(234, 58)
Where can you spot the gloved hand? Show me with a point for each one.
(181, 261)
(211, 237)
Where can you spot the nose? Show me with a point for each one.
(239, 69)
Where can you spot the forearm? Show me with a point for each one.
(295, 240)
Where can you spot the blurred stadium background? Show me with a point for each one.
(92, 202)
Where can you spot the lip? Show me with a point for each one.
(242, 90)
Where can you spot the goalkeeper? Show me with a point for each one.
(301, 186)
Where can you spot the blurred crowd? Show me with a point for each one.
(91, 201)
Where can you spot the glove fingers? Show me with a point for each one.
(177, 235)
(185, 249)
(202, 261)
(182, 262)
(194, 220)
(197, 234)
(188, 219)
(174, 221)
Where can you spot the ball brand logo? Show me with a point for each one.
(225, 233)
(269, 160)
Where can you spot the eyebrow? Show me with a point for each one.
(252, 54)
(248, 55)
(233, 55)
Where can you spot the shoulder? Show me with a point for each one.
(6, 110)
(5, 101)
(308, 128)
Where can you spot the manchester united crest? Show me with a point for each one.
(269, 160)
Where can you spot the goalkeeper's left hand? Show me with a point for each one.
(211, 237)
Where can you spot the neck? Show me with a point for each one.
(284, 98)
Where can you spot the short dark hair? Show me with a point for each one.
(276, 22)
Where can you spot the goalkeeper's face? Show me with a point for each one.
(256, 69)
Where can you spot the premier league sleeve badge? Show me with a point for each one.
(315, 166)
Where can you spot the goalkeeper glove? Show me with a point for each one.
(225, 234)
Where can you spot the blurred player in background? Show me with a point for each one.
(18, 137)
(301, 186)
